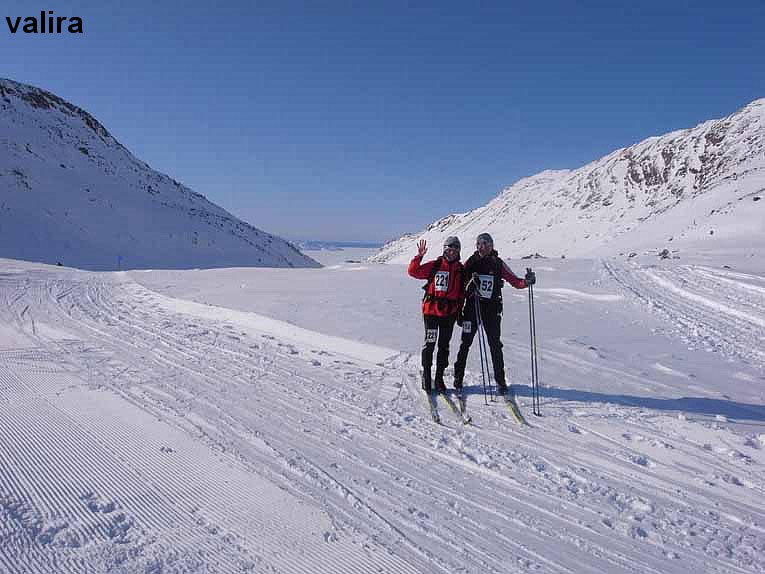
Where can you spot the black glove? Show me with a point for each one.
(530, 278)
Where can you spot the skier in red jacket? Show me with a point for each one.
(444, 296)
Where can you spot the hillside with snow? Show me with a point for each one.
(72, 194)
(696, 189)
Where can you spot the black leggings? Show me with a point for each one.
(491, 314)
(437, 329)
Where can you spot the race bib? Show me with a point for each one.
(467, 326)
(441, 282)
(431, 335)
(485, 286)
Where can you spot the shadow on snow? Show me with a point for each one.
(698, 405)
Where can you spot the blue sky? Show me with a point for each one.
(361, 120)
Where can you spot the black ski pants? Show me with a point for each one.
(437, 329)
(491, 315)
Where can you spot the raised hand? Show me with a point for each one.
(422, 247)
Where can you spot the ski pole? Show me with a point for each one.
(489, 372)
(480, 346)
(535, 401)
(483, 343)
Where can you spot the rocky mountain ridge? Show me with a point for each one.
(699, 188)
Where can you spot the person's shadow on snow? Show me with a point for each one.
(698, 405)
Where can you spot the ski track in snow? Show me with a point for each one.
(712, 309)
(137, 438)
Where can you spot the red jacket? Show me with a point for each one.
(445, 294)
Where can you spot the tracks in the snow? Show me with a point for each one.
(279, 424)
(713, 309)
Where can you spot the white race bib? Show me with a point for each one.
(441, 281)
(485, 286)
(431, 335)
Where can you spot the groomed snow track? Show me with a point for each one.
(136, 438)
(715, 309)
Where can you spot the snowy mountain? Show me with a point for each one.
(71, 193)
(319, 245)
(699, 188)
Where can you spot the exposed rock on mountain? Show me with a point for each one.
(698, 188)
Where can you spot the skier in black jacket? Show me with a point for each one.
(485, 273)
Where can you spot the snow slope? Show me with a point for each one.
(689, 190)
(71, 193)
(143, 432)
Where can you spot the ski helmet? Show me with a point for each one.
(484, 237)
(452, 242)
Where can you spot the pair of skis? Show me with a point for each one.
(459, 411)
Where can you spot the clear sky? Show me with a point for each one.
(361, 120)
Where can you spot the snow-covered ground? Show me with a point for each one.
(269, 420)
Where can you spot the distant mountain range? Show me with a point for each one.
(317, 245)
(701, 189)
(72, 194)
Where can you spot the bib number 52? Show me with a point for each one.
(485, 286)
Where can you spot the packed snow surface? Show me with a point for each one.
(267, 420)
